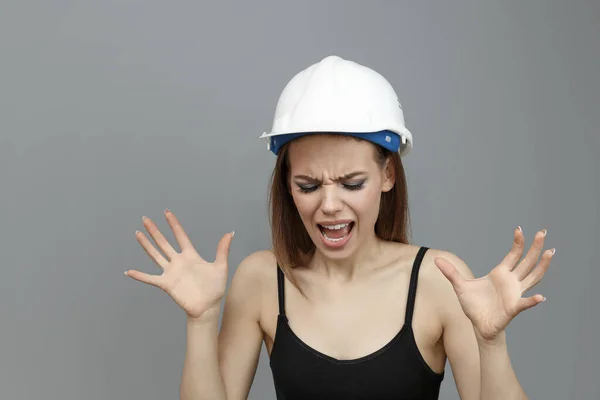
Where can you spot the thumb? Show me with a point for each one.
(449, 271)
(223, 248)
(529, 302)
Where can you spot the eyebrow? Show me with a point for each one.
(344, 177)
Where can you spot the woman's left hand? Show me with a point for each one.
(492, 301)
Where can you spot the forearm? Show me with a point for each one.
(498, 379)
(201, 379)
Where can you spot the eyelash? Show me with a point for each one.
(357, 186)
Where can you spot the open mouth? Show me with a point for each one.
(336, 233)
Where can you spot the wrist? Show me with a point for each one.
(208, 317)
(498, 341)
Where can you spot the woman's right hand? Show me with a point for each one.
(196, 285)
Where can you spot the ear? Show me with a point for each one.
(389, 176)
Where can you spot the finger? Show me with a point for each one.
(529, 302)
(516, 251)
(223, 248)
(151, 250)
(449, 271)
(153, 280)
(158, 237)
(527, 264)
(182, 238)
(537, 274)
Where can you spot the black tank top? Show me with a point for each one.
(396, 371)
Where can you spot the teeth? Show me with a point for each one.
(334, 240)
(335, 227)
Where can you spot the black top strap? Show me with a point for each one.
(280, 290)
(412, 289)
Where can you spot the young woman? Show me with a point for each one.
(346, 306)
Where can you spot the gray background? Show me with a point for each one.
(116, 109)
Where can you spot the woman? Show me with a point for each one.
(346, 307)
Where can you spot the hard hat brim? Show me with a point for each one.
(391, 140)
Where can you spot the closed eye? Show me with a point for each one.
(354, 186)
(309, 188)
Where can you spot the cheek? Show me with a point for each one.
(366, 202)
(306, 205)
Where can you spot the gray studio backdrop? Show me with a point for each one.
(117, 109)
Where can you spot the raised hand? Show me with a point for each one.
(196, 285)
(492, 301)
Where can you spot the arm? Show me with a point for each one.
(491, 303)
(221, 365)
(481, 368)
(217, 365)
(498, 379)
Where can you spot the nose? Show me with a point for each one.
(331, 202)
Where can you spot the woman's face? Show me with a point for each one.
(336, 185)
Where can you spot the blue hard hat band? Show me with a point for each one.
(386, 139)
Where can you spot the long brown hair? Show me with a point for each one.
(293, 246)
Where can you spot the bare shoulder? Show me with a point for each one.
(254, 270)
(437, 285)
(255, 282)
(245, 298)
(429, 265)
(256, 264)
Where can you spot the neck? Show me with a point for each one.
(348, 268)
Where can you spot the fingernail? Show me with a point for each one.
(125, 273)
(544, 299)
(167, 210)
(232, 233)
(553, 251)
(520, 230)
(144, 218)
(544, 232)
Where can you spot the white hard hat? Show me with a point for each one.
(340, 96)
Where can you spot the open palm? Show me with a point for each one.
(194, 284)
(491, 302)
